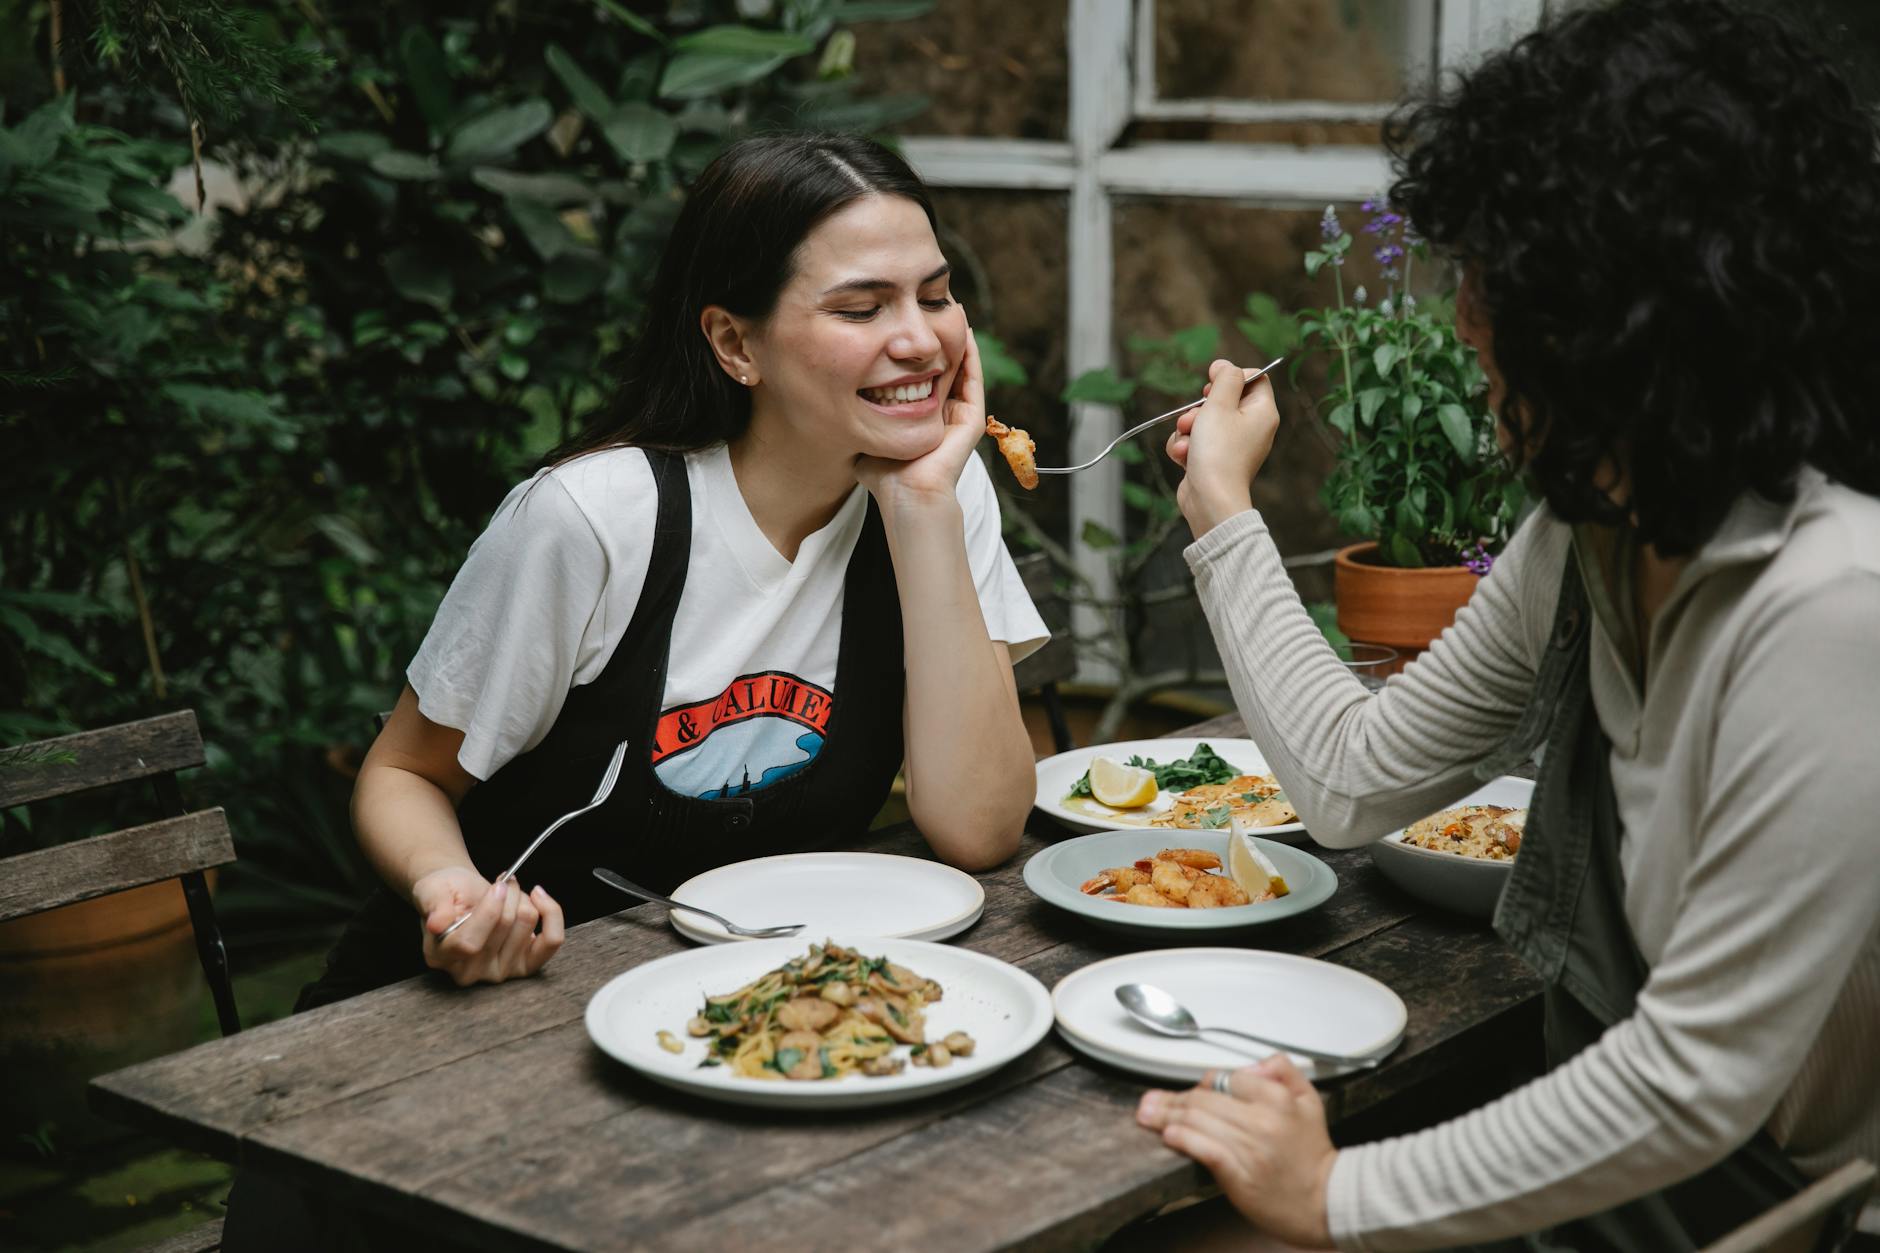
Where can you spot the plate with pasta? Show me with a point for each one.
(825, 1024)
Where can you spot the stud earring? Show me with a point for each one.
(744, 378)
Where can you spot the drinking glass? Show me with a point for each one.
(1372, 663)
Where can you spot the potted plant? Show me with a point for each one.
(1418, 469)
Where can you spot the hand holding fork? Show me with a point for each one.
(499, 939)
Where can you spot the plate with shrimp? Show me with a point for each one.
(1144, 882)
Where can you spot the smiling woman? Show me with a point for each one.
(774, 568)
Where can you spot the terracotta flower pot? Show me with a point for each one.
(1405, 609)
(88, 988)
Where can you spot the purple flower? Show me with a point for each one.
(1477, 559)
(1329, 229)
(1388, 255)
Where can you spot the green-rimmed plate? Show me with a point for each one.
(1056, 874)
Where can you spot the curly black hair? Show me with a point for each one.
(1669, 211)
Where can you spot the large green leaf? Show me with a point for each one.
(404, 166)
(633, 20)
(1461, 432)
(707, 73)
(1197, 345)
(499, 132)
(35, 141)
(574, 276)
(588, 95)
(639, 132)
(744, 41)
(997, 364)
(353, 145)
(722, 57)
(428, 75)
(418, 275)
(555, 189)
(881, 10)
(541, 226)
(1098, 387)
(144, 201)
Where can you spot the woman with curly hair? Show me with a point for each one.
(1665, 217)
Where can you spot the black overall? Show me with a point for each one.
(645, 830)
(1563, 913)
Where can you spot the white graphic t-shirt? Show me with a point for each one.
(549, 588)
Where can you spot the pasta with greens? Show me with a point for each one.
(825, 1015)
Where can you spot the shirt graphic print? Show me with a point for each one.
(760, 730)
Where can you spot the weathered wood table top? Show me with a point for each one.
(489, 1118)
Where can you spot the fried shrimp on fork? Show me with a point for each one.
(1018, 450)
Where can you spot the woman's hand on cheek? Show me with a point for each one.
(936, 474)
(509, 934)
(1221, 446)
(1267, 1145)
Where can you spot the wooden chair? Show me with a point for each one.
(1820, 1216)
(180, 846)
(1056, 661)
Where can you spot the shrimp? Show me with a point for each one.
(1214, 892)
(1017, 448)
(1117, 878)
(1143, 894)
(1194, 858)
(1173, 880)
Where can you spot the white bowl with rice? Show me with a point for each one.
(1461, 865)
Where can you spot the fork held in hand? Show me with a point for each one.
(601, 793)
(1134, 431)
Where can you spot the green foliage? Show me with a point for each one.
(240, 481)
(1418, 466)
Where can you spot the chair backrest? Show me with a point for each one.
(1056, 661)
(1817, 1217)
(152, 749)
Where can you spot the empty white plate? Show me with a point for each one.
(832, 894)
(1057, 775)
(1005, 1010)
(1299, 1000)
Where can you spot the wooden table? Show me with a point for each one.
(489, 1118)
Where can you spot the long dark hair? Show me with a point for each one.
(1672, 212)
(734, 245)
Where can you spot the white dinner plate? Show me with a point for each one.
(1467, 885)
(1300, 1000)
(1005, 1010)
(909, 898)
(1055, 874)
(1057, 775)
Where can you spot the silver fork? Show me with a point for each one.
(614, 881)
(1134, 431)
(601, 793)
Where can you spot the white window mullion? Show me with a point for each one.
(1100, 101)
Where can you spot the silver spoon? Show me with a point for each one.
(1134, 431)
(613, 880)
(601, 793)
(1161, 1012)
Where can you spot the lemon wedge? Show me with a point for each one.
(1248, 866)
(1119, 786)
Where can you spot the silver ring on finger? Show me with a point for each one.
(1222, 1082)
